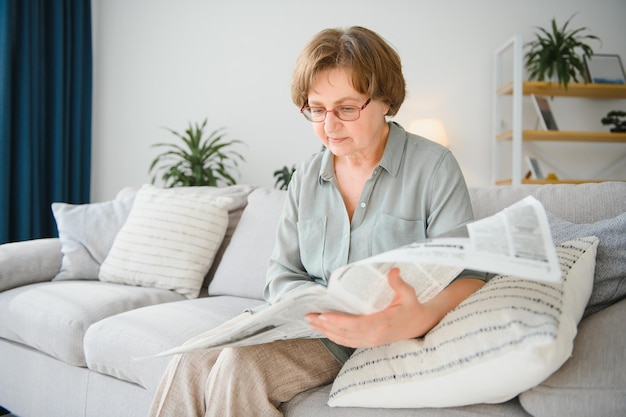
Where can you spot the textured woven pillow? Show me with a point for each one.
(502, 340)
(610, 275)
(86, 233)
(169, 240)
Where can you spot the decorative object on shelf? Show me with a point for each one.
(432, 129)
(546, 118)
(617, 118)
(200, 161)
(556, 53)
(552, 177)
(604, 69)
(283, 177)
(535, 169)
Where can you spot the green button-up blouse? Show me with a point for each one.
(416, 191)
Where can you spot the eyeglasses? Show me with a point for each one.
(345, 113)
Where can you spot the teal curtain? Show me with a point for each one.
(45, 112)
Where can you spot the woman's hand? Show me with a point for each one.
(404, 318)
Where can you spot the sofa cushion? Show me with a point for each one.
(311, 403)
(86, 232)
(502, 340)
(593, 381)
(609, 283)
(242, 271)
(52, 317)
(120, 346)
(168, 241)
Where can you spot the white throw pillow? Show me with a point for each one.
(502, 340)
(86, 233)
(169, 240)
(244, 276)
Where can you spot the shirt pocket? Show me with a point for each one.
(311, 237)
(390, 232)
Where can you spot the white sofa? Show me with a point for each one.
(69, 347)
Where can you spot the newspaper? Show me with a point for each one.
(516, 241)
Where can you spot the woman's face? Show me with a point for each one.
(364, 137)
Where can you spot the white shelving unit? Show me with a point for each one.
(517, 89)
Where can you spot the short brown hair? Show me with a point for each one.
(375, 65)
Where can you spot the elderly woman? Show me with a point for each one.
(375, 187)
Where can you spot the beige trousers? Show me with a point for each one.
(246, 381)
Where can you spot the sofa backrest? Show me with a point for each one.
(240, 270)
(577, 203)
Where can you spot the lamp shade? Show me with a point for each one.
(432, 129)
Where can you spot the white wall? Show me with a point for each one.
(163, 63)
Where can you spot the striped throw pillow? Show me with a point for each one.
(502, 340)
(169, 240)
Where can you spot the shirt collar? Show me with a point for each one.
(391, 160)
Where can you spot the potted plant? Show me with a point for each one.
(557, 53)
(283, 177)
(617, 118)
(199, 160)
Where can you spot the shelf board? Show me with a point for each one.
(542, 88)
(561, 136)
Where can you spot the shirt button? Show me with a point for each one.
(363, 205)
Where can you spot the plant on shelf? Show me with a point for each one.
(199, 160)
(283, 177)
(558, 53)
(617, 118)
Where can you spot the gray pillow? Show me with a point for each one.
(86, 232)
(609, 283)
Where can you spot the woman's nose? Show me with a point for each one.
(331, 122)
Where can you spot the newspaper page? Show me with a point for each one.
(515, 241)
(360, 289)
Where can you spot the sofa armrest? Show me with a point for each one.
(29, 261)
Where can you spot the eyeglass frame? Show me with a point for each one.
(334, 111)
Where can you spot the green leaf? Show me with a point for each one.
(558, 52)
(200, 160)
(283, 177)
